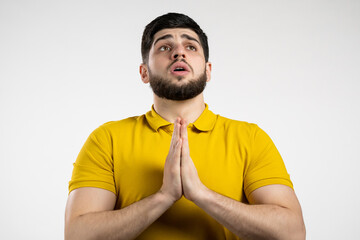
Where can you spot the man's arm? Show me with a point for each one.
(89, 215)
(90, 212)
(274, 213)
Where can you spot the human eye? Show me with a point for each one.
(164, 48)
(191, 48)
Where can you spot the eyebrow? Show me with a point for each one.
(182, 36)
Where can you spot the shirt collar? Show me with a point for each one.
(205, 122)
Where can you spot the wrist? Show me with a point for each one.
(165, 199)
(201, 194)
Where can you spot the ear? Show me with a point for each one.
(144, 73)
(208, 71)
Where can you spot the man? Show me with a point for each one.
(180, 171)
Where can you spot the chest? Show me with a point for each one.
(139, 164)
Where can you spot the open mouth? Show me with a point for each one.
(180, 69)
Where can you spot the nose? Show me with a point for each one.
(178, 52)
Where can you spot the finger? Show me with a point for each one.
(176, 133)
(185, 152)
(183, 130)
(177, 128)
(176, 145)
(177, 153)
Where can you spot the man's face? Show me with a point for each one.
(176, 65)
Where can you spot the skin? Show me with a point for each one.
(273, 213)
(162, 54)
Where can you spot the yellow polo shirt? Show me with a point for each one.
(127, 157)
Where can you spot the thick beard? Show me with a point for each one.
(164, 88)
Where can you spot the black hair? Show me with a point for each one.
(171, 20)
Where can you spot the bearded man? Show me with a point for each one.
(180, 171)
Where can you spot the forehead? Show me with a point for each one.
(176, 33)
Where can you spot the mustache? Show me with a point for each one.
(181, 60)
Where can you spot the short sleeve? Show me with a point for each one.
(265, 166)
(94, 165)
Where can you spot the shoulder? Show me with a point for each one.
(126, 122)
(123, 126)
(243, 131)
(236, 126)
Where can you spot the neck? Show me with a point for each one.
(189, 109)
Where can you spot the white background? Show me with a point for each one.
(292, 67)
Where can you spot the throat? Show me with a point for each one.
(190, 109)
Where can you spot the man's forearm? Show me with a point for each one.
(126, 223)
(252, 221)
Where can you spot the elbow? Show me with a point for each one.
(73, 230)
(72, 234)
(294, 234)
(301, 229)
(77, 228)
(69, 233)
(302, 232)
(295, 230)
(299, 233)
(69, 230)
